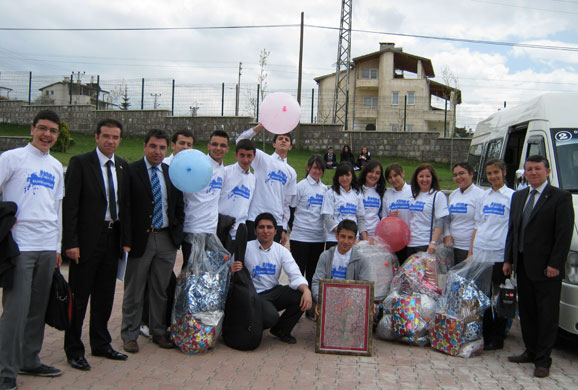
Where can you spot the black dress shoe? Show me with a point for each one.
(541, 372)
(110, 354)
(523, 358)
(286, 338)
(493, 345)
(79, 363)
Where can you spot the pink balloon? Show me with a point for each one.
(280, 113)
(394, 232)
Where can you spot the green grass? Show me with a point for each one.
(131, 149)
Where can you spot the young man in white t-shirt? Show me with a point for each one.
(201, 212)
(238, 188)
(275, 183)
(342, 261)
(33, 179)
(180, 140)
(264, 260)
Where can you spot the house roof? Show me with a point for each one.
(401, 60)
(88, 85)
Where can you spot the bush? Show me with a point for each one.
(63, 142)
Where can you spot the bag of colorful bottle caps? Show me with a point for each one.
(410, 307)
(457, 328)
(200, 295)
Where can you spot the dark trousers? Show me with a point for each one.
(539, 307)
(93, 278)
(251, 232)
(186, 248)
(306, 255)
(414, 249)
(402, 255)
(330, 244)
(460, 255)
(281, 298)
(494, 326)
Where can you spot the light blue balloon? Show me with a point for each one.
(191, 170)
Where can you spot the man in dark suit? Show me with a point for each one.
(96, 230)
(539, 236)
(157, 231)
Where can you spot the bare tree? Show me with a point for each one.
(117, 93)
(261, 80)
(451, 80)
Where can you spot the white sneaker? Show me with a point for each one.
(144, 330)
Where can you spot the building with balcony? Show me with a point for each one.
(390, 90)
(59, 93)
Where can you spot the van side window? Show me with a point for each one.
(474, 157)
(493, 150)
(536, 145)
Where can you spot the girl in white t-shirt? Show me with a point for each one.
(463, 205)
(488, 243)
(372, 185)
(342, 201)
(397, 199)
(427, 210)
(307, 240)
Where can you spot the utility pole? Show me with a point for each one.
(238, 90)
(341, 94)
(300, 76)
(155, 96)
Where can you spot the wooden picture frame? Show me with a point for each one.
(345, 322)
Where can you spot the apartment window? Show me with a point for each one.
(370, 127)
(394, 128)
(411, 98)
(395, 98)
(369, 73)
(370, 101)
(409, 127)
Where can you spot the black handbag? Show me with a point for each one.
(506, 302)
(243, 323)
(59, 309)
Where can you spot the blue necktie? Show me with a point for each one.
(111, 194)
(158, 199)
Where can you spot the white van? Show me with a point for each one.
(547, 125)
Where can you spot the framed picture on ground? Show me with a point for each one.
(345, 320)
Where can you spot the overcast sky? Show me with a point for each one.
(487, 74)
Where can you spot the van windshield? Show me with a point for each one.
(565, 143)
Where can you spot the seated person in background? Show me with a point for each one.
(343, 261)
(330, 159)
(347, 155)
(363, 157)
(264, 259)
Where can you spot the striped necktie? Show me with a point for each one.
(526, 218)
(158, 200)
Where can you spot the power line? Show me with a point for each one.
(464, 40)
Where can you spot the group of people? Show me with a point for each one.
(105, 208)
(346, 155)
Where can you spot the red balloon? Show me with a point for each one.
(394, 232)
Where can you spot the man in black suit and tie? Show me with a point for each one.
(157, 231)
(96, 230)
(539, 236)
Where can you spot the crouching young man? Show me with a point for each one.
(264, 259)
(343, 261)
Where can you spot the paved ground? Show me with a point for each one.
(278, 366)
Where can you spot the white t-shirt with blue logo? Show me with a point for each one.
(420, 216)
(339, 264)
(308, 224)
(463, 207)
(265, 266)
(345, 205)
(492, 220)
(201, 208)
(35, 182)
(275, 184)
(372, 206)
(236, 195)
(397, 200)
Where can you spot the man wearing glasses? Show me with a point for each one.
(201, 211)
(33, 179)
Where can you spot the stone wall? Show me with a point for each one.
(421, 146)
(7, 143)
